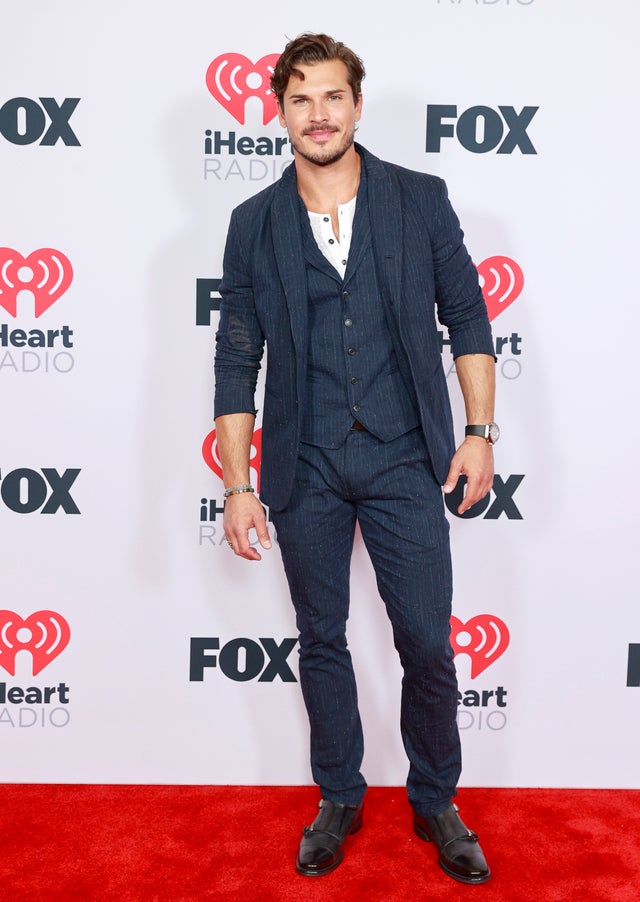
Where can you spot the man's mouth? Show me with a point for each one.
(320, 134)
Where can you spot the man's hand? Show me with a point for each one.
(473, 459)
(243, 512)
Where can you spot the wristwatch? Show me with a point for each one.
(490, 432)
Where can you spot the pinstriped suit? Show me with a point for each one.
(392, 488)
(421, 260)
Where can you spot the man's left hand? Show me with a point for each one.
(473, 459)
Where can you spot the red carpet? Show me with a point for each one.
(191, 843)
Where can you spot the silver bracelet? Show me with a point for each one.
(238, 489)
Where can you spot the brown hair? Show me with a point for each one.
(308, 49)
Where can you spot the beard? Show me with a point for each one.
(326, 156)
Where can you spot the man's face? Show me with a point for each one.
(319, 113)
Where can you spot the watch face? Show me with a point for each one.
(494, 433)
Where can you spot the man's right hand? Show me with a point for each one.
(243, 512)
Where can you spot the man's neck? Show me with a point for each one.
(323, 188)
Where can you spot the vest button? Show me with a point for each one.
(348, 322)
(351, 352)
(356, 407)
(345, 295)
(353, 380)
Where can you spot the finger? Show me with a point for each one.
(243, 547)
(476, 490)
(452, 478)
(260, 526)
(263, 536)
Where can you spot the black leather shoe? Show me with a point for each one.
(460, 855)
(322, 845)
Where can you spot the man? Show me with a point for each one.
(339, 267)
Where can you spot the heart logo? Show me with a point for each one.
(232, 79)
(484, 638)
(45, 634)
(211, 455)
(46, 273)
(501, 280)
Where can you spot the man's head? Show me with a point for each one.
(317, 83)
(309, 49)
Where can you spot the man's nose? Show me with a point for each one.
(318, 112)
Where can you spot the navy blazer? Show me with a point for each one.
(422, 266)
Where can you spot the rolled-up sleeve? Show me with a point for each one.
(239, 339)
(461, 306)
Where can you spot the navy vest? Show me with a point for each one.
(352, 368)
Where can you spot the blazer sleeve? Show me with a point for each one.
(239, 339)
(461, 306)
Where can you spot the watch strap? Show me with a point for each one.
(490, 432)
(482, 431)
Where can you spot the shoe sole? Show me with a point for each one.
(319, 872)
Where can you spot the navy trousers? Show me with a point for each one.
(389, 488)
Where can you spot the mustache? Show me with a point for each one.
(319, 128)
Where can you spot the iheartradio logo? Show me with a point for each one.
(232, 78)
(211, 455)
(45, 634)
(46, 273)
(484, 639)
(501, 280)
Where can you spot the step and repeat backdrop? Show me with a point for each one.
(133, 646)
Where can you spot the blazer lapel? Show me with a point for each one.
(290, 259)
(385, 215)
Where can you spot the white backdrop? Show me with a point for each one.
(131, 208)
